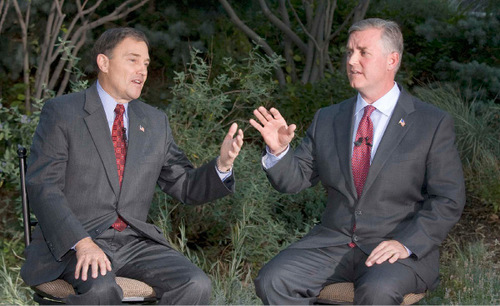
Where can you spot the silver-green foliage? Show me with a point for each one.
(469, 277)
(231, 238)
(477, 127)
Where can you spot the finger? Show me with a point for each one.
(95, 268)
(276, 114)
(291, 129)
(260, 116)
(257, 126)
(235, 149)
(108, 264)
(239, 138)
(232, 131)
(85, 269)
(394, 258)
(103, 267)
(266, 113)
(78, 268)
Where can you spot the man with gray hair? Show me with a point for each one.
(392, 174)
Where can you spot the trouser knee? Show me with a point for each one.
(97, 291)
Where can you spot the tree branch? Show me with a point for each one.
(253, 36)
(24, 23)
(3, 12)
(287, 43)
(283, 27)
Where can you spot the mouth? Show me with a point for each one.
(137, 82)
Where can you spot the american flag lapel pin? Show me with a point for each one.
(141, 128)
(402, 122)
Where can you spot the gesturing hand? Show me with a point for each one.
(391, 250)
(273, 128)
(89, 254)
(230, 148)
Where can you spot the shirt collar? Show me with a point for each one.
(108, 102)
(385, 104)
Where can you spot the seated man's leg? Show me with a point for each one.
(173, 277)
(296, 276)
(384, 284)
(93, 291)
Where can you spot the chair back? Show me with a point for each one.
(21, 153)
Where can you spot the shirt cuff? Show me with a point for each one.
(269, 160)
(407, 249)
(223, 175)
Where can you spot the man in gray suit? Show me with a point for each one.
(393, 177)
(96, 158)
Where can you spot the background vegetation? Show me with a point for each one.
(208, 71)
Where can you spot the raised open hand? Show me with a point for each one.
(273, 128)
(230, 148)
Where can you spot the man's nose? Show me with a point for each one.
(352, 59)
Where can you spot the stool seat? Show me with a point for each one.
(133, 290)
(343, 293)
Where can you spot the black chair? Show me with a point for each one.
(54, 292)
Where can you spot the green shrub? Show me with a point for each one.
(477, 129)
(468, 277)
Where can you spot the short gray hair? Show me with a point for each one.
(392, 38)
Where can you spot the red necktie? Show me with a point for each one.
(362, 150)
(361, 153)
(119, 142)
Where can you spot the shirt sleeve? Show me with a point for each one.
(269, 160)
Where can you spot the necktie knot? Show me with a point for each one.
(119, 109)
(369, 110)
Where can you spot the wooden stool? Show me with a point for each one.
(343, 293)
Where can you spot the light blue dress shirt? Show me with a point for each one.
(380, 118)
(109, 105)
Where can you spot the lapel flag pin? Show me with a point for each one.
(141, 128)
(402, 122)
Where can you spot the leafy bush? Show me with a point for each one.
(467, 278)
(233, 237)
(477, 127)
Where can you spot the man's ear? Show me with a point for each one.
(392, 61)
(102, 62)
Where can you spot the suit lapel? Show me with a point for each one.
(343, 125)
(393, 135)
(99, 130)
(137, 136)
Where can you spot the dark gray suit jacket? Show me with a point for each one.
(414, 192)
(73, 185)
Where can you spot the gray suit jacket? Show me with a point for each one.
(73, 185)
(414, 192)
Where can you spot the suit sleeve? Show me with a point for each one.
(181, 180)
(445, 194)
(46, 181)
(297, 170)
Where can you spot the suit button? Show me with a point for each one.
(358, 212)
(97, 231)
(355, 238)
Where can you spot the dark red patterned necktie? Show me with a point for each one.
(118, 135)
(361, 153)
(362, 150)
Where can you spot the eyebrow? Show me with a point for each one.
(136, 55)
